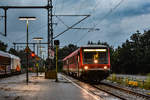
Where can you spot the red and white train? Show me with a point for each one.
(91, 62)
(9, 64)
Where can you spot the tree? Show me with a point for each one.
(13, 51)
(133, 56)
(3, 46)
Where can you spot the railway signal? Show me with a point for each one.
(56, 42)
(32, 54)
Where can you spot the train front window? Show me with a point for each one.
(95, 56)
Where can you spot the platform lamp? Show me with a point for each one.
(38, 39)
(42, 61)
(27, 19)
(41, 51)
(41, 48)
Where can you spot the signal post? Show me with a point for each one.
(56, 42)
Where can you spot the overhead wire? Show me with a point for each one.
(38, 28)
(114, 8)
(59, 19)
(31, 33)
(111, 11)
(8, 39)
(54, 26)
(93, 10)
(62, 21)
(55, 7)
(90, 13)
(62, 7)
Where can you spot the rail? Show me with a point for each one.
(121, 89)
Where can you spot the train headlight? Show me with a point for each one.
(105, 67)
(95, 61)
(86, 67)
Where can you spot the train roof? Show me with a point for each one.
(94, 46)
(5, 54)
(73, 53)
(85, 46)
(14, 57)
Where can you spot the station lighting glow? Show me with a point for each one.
(86, 67)
(27, 18)
(95, 61)
(37, 38)
(105, 67)
(99, 50)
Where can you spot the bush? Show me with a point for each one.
(147, 83)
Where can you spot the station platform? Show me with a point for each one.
(39, 88)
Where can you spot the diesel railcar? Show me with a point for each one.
(91, 62)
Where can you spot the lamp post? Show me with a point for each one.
(39, 41)
(42, 62)
(27, 40)
(41, 51)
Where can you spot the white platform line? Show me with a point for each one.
(86, 91)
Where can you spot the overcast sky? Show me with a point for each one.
(116, 19)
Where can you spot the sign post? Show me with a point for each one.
(51, 55)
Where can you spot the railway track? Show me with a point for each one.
(116, 91)
(122, 93)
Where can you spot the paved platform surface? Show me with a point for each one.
(39, 88)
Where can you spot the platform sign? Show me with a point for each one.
(51, 54)
(37, 65)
